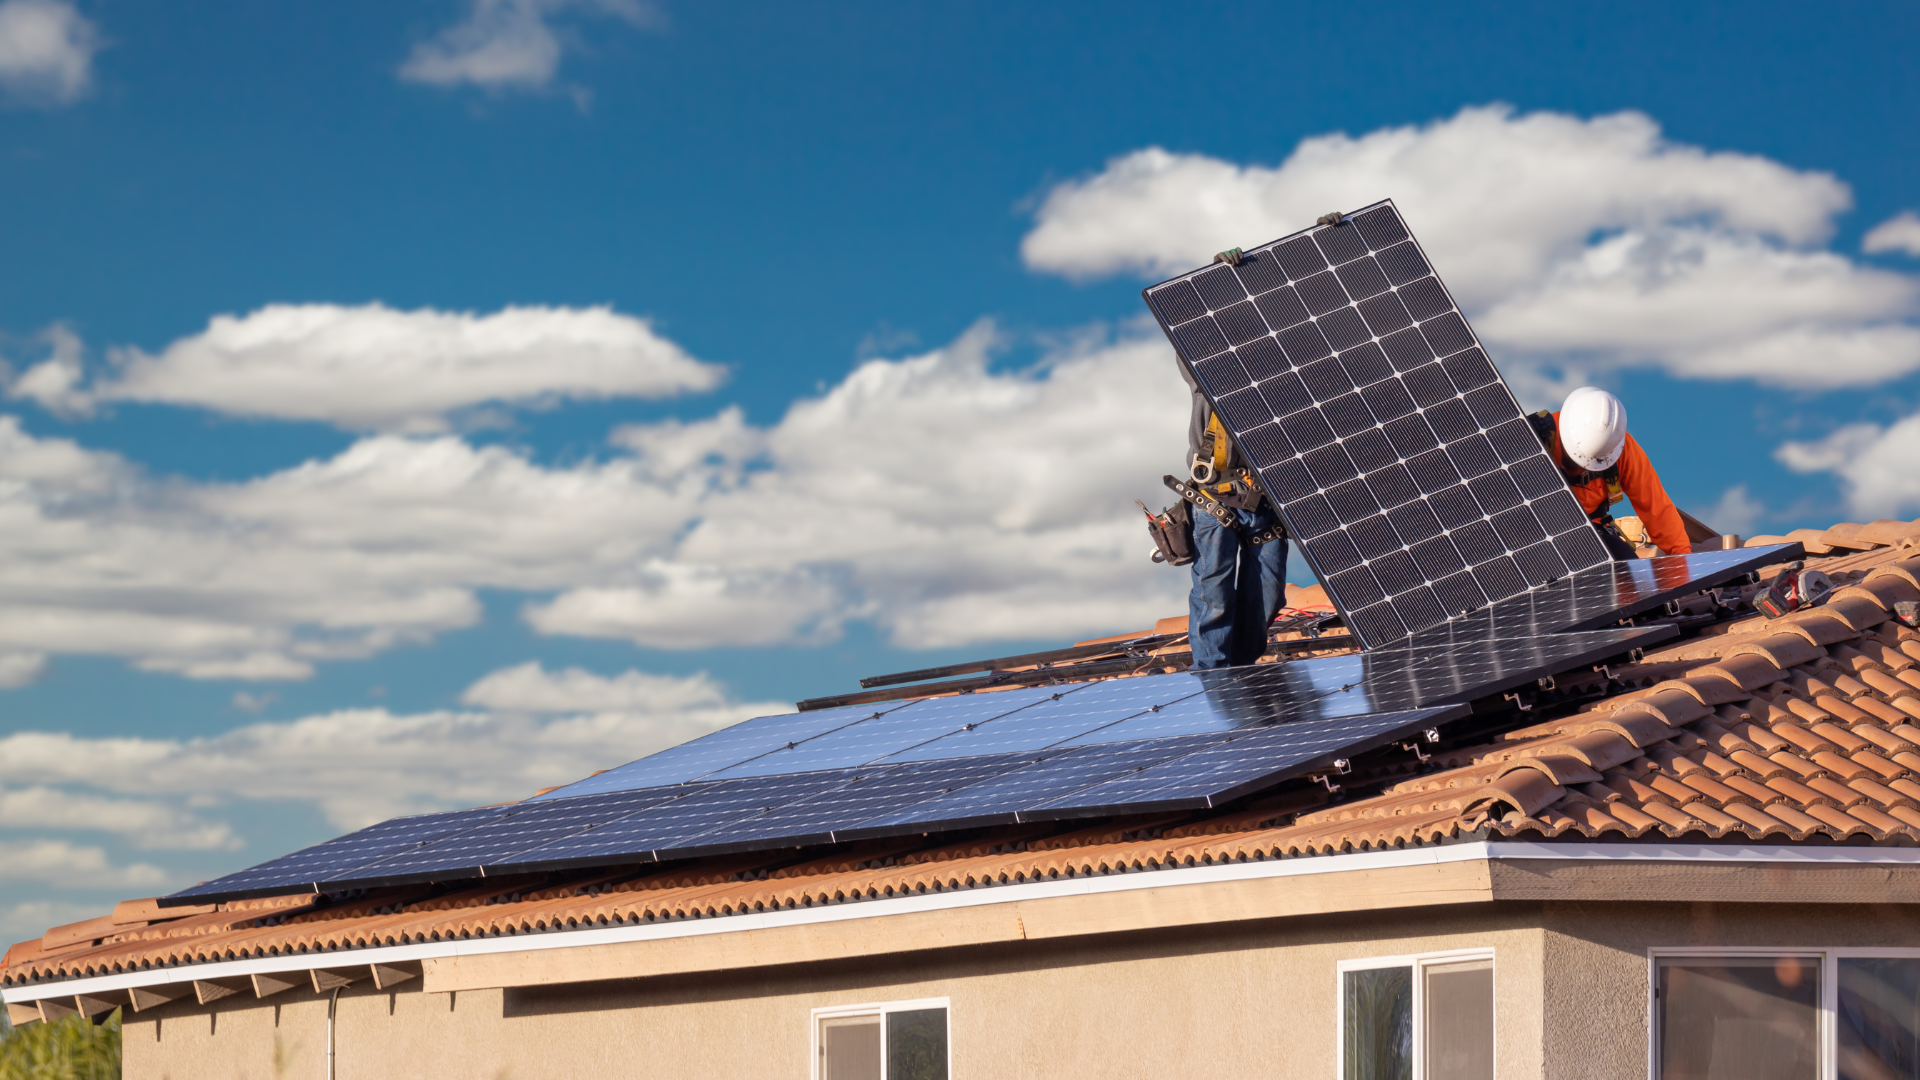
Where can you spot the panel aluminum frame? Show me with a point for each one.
(1391, 446)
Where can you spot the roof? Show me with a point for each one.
(1800, 730)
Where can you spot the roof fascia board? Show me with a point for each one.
(1474, 851)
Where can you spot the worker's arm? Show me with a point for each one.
(1657, 512)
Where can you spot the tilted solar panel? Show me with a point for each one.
(339, 857)
(1241, 763)
(1397, 456)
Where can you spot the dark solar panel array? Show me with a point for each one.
(716, 816)
(1394, 450)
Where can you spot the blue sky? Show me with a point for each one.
(903, 242)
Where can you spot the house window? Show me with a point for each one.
(898, 1041)
(1877, 1014)
(1417, 1018)
(1844, 1014)
(1752, 1017)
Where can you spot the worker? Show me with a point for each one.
(1238, 585)
(1588, 439)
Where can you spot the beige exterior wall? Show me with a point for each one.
(1249, 999)
(1595, 997)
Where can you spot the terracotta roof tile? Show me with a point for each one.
(1793, 729)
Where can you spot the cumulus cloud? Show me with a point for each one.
(1737, 512)
(509, 44)
(531, 688)
(46, 51)
(32, 918)
(21, 669)
(944, 498)
(1874, 464)
(374, 368)
(57, 862)
(359, 766)
(1577, 246)
(1898, 233)
(183, 803)
(143, 822)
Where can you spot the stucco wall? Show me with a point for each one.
(1595, 993)
(1249, 1000)
(1243, 1000)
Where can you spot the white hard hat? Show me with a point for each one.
(1593, 428)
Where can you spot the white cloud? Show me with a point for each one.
(508, 44)
(57, 862)
(1737, 512)
(33, 918)
(56, 382)
(1900, 232)
(144, 822)
(1878, 467)
(188, 799)
(1577, 246)
(374, 368)
(531, 688)
(365, 765)
(46, 51)
(943, 498)
(21, 669)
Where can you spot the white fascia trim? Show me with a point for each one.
(979, 897)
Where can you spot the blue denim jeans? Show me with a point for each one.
(1236, 590)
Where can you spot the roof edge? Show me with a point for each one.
(1473, 851)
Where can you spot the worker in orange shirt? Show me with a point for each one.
(1588, 439)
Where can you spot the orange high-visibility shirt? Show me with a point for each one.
(1641, 485)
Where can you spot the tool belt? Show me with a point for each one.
(1215, 472)
(1172, 532)
(1217, 488)
(1222, 512)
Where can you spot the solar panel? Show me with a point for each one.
(1060, 717)
(1603, 595)
(1393, 449)
(1052, 776)
(645, 835)
(514, 829)
(869, 740)
(871, 794)
(322, 862)
(1243, 763)
(729, 746)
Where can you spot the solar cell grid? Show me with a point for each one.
(1409, 401)
(1055, 719)
(729, 746)
(1059, 773)
(1244, 762)
(872, 793)
(514, 829)
(869, 740)
(336, 857)
(672, 826)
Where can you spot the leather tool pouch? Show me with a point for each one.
(1172, 532)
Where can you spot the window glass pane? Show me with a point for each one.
(1879, 1019)
(917, 1045)
(850, 1048)
(1459, 1020)
(1739, 1018)
(1377, 1023)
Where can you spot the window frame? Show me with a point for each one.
(1419, 962)
(1829, 1007)
(879, 1009)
